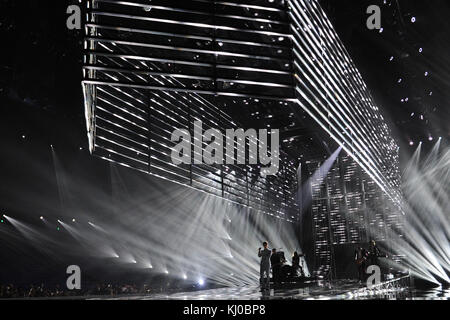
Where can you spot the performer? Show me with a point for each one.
(295, 263)
(302, 266)
(275, 260)
(360, 260)
(374, 253)
(264, 270)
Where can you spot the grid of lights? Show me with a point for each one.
(330, 88)
(153, 67)
(348, 207)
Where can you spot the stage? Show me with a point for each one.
(396, 289)
(314, 290)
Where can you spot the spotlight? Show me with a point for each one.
(150, 266)
(166, 271)
(201, 281)
(41, 217)
(430, 138)
(73, 220)
(184, 276)
(411, 143)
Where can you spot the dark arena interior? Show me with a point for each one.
(150, 147)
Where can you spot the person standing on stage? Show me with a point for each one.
(275, 261)
(374, 253)
(264, 270)
(360, 260)
(295, 263)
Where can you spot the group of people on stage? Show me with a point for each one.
(273, 260)
(364, 258)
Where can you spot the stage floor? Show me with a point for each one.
(314, 290)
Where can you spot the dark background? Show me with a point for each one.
(402, 39)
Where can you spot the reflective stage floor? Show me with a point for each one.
(314, 290)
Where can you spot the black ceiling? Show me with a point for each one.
(406, 64)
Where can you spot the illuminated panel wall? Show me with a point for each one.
(151, 67)
(330, 88)
(348, 207)
(154, 66)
